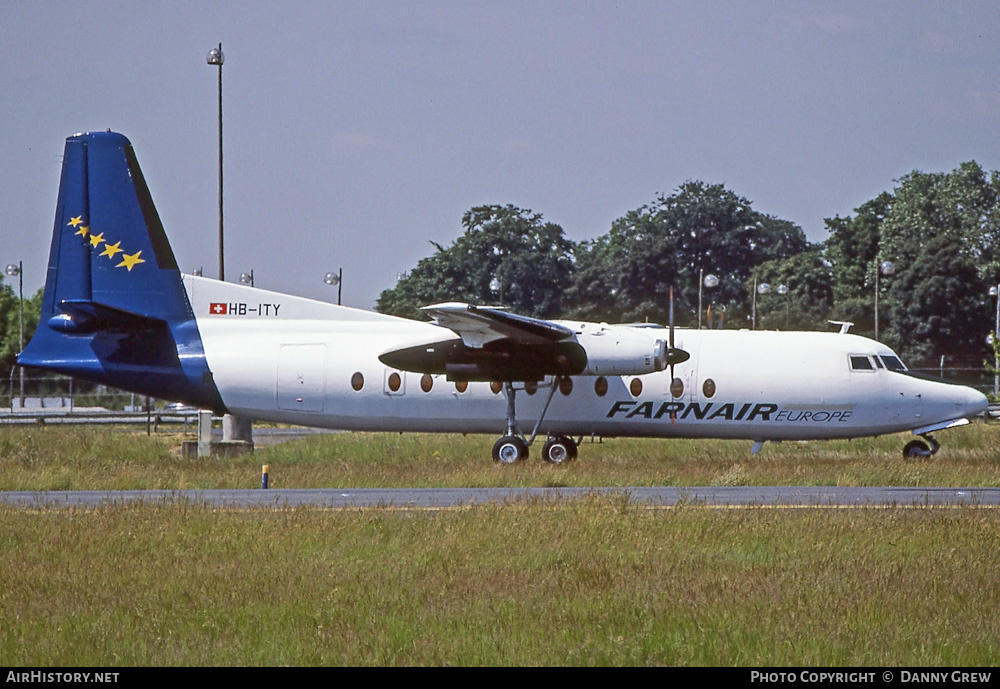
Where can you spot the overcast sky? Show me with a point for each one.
(357, 132)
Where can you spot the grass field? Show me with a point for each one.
(575, 582)
(51, 458)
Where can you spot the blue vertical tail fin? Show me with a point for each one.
(114, 308)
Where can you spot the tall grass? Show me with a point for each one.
(591, 581)
(65, 458)
(595, 581)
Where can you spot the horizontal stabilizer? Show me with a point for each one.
(79, 316)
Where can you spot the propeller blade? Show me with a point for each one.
(674, 355)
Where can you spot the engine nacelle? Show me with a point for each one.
(623, 351)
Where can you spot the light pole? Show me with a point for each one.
(13, 270)
(233, 427)
(708, 281)
(885, 268)
(783, 291)
(215, 57)
(995, 292)
(337, 279)
(247, 278)
(761, 289)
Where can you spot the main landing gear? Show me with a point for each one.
(921, 448)
(513, 446)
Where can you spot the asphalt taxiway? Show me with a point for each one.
(449, 498)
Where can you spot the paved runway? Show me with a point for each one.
(444, 498)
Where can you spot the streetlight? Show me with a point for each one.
(215, 57)
(197, 272)
(708, 281)
(337, 279)
(247, 278)
(995, 292)
(15, 270)
(761, 289)
(885, 268)
(783, 291)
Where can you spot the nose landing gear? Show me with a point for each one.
(926, 447)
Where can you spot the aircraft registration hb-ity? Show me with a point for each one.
(117, 311)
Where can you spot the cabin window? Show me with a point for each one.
(892, 363)
(496, 387)
(635, 387)
(426, 383)
(461, 385)
(531, 386)
(708, 387)
(861, 363)
(601, 386)
(676, 387)
(395, 381)
(565, 385)
(357, 381)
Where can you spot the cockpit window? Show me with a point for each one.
(878, 362)
(892, 363)
(861, 363)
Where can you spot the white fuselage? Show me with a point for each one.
(287, 359)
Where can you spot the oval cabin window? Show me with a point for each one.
(395, 381)
(426, 383)
(601, 386)
(676, 387)
(708, 387)
(635, 387)
(357, 381)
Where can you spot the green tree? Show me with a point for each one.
(941, 232)
(852, 250)
(701, 228)
(10, 326)
(808, 296)
(506, 255)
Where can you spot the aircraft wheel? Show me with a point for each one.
(558, 450)
(916, 448)
(509, 449)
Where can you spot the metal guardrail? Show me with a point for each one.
(97, 417)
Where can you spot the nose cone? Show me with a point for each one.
(973, 402)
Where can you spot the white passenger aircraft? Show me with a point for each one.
(117, 311)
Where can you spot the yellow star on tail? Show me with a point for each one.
(111, 249)
(130, 261)
(75, 221)
(84, 229)
(96, 239)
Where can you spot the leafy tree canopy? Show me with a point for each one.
(808, 292)
(10, 327)
(940, 231)
(506, 255)
(700, 229)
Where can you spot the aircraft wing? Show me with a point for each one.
(478, 326)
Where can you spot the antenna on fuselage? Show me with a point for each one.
(844, 326)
